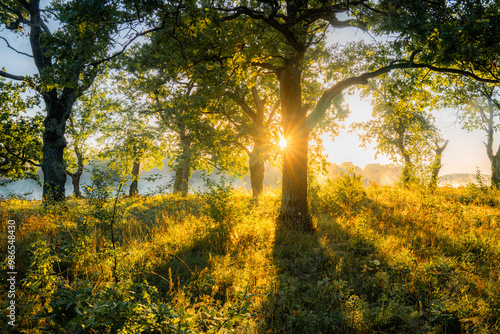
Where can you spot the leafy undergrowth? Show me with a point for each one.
(383, 260)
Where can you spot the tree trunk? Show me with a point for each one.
(183, 168)
(185, 176)
(437, 164)
(181, 181)
(256, 161)
(54, 143)
(294, 207)
(76, 176)
(495, 171)
(75, 180)
(407, 174)
(257, 170)
(134, 186)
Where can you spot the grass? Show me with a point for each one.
(383, 260)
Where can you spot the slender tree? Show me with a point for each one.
(436, 166)
(88, 116)
(402, 125)
(480, 109)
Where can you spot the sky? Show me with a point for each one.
(465, 151)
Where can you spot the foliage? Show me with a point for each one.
(398, 261)
(219, 197)
(342, 195)
(129, 139)
(479, 192)
(402, 125)
(20, 135)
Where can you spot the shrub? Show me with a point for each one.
(346, 194)
(479, 192)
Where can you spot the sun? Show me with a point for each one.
(282, 143)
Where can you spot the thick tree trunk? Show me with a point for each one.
(257, 170)
(134, 186)
(294, 207)
(183, 168)
(54, 143)
(181, 181)
(256, 164)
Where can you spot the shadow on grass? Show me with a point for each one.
(338, 281)
(187, 264)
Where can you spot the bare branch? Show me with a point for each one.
(126, 45)
(17, 51)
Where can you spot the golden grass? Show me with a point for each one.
(386, 260)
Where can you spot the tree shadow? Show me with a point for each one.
(339, 281)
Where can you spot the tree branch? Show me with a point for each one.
(244, 106)
(271, 114)
(326, 99)
(12, 76)
(10, 47)
(126, 45)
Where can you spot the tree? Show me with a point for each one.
(436, 166)
(67, 61)
(131, 141)
(20, 135)
(480, 106)
(402, 123)
(88, 116)
(287, 32)
(252, 117)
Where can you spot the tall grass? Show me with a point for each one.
(383, 260)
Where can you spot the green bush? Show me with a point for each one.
(479, 192)
(135, 308)
(346, 194)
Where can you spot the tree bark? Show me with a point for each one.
(134, 186)
(75, 180)
(437, 164)
(294, 211)
(76, 176)
(487, 116)
(258, 156)
(495, 171)
(181, 181)
(54, 143)
(407, 170)
(257, 170)
(183, 168)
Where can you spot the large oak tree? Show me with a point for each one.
(67, 60)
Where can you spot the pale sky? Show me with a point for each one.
(464, 153)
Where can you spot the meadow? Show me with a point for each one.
(382, 260)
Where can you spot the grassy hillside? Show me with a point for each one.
(383, 260)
